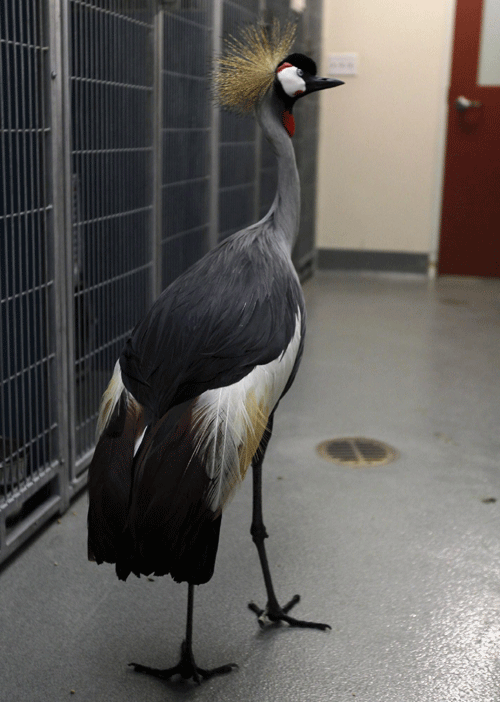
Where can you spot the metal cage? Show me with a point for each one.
(116, 174)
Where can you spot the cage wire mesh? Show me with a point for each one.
(186, 124)
(153, 175)
(28, 422)
(238, 153)
(111, 80)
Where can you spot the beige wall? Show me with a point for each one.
(382, 134)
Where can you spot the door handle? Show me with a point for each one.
(462, 104)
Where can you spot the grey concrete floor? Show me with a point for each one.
(402, 560)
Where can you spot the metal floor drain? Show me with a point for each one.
(357, 452)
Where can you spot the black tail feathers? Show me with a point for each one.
(147, 513)
(110, 481)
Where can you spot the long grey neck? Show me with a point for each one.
(285, 210)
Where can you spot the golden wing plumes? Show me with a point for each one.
(246, 70)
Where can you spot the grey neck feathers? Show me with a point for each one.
(285, 210)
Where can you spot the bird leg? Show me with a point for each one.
(186, 667)
(273, 612)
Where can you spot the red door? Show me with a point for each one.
(470, 223)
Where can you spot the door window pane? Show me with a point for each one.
(489, 53)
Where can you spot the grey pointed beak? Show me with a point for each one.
(314, 83)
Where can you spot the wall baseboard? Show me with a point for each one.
(357, 260)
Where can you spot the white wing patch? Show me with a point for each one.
(138, 441)
(110, 399)
(230, 422)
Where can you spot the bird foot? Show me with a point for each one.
(186, 668)
(274, 613)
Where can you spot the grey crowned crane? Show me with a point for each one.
(191, 402)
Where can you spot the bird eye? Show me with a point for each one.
(300, 72)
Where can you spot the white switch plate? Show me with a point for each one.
(298, 5)
(345, 64)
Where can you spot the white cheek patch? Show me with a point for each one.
(291, 83)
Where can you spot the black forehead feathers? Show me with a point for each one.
(303, 62)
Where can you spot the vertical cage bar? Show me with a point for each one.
(5, 328)
(49, 29)
(61, 197)
(215, 126)
(157, 156)
(22, 262)
(15, 187)
(98, 140)
(30, 141)
(38, 197)
(68, 259)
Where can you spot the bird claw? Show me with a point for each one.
(196, 673)
(262, 617)
(273, 614)
(186, 668)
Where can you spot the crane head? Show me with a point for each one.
(253, 65)
(244, 74)
(296, 77)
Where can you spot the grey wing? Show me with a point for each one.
(211, 327)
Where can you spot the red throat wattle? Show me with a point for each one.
(288, 123)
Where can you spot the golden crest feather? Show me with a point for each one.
(246, 70)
